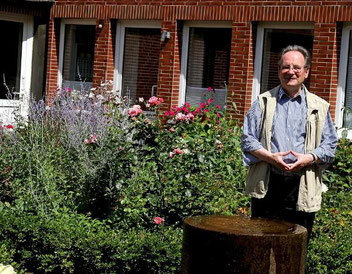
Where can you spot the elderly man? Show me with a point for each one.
(288, 137)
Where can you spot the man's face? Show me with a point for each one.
(292, 72)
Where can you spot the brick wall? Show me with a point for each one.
(324, 69)
(52, 58)
(169, 64)
(241, 69)
(103, 69)
(25, 8)
(244, 16)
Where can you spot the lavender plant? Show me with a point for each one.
(66, 145)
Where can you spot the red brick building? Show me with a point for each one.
(176, 49)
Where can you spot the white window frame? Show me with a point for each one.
(26, 62)
(184, 54)
(341, 88)
(259, 49)
(65, 22)
(120, 46)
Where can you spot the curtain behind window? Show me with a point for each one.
(140, 63)
(274, 41)
(10, 54)
(348, 93)
(208, 64)
(78, 56)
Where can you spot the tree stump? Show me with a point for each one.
(235, 244)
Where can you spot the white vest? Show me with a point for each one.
(309, 196)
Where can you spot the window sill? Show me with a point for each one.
(349, 133)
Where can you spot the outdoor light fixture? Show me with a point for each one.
(165, 35)
(101, 23)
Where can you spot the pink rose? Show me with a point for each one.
(138, 109)
(134, 110)
(180, 116)
(172, 129)
(210, 100)
(190, 116)
(178, 151)
(158, 220)
(93, 138)
(153, 100)
(172, 154)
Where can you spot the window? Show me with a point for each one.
(343, 117)
(10, 65)
(15, 66)
(138, 53)
(205, 63)
(77, 55)
(271, 39)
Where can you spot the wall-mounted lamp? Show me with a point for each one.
(165, 35)
(101, 23)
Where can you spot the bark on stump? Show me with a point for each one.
(235, 244)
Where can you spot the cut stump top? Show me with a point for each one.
(240, 225)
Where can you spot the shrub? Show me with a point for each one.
(94, 183)
(68, 242)
(330, 249)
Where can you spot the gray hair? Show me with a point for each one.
(300, 49)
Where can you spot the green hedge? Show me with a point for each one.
(330, 249)
(88, 186)
(66, 242)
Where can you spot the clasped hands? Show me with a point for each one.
(302, 160)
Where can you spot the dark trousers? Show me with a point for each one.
(280, 202)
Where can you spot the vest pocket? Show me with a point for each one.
(258, 179)
(311, 130)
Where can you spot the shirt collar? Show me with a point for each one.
(300, 98)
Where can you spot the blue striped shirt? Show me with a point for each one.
(288, 131)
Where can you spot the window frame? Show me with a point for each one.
(260, 46)
(185, 47)
(120, 46)
(24, 91)
(64, 22)
(342, 78)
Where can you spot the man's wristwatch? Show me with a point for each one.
(315, 158)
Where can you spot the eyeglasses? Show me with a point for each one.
(295, 69)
